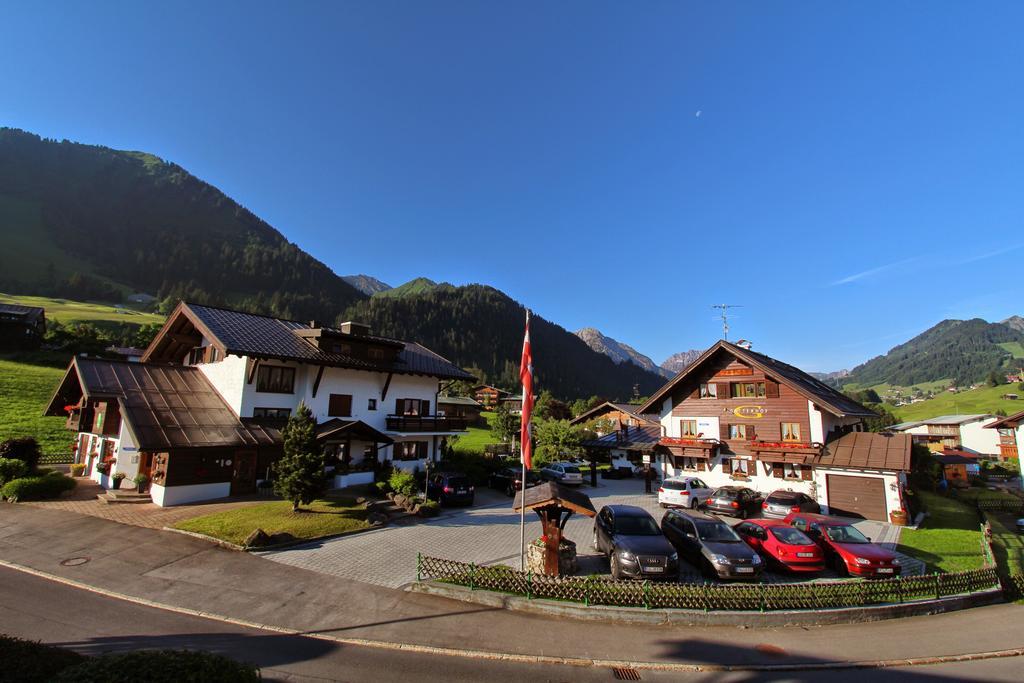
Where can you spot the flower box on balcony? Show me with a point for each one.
(785, 446)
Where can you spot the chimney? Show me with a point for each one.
(354, 328)
(314, 324)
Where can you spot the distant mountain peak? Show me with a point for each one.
(1015, 322)
(675, 363)
(366, 284)
(415, 286)
(616, 350)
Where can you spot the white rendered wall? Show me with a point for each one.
(228, 377)
(166, 496)
(975, 437)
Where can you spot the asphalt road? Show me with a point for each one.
(38, 609)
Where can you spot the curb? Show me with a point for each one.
(521, 658)
(276, 546)
(684, 617)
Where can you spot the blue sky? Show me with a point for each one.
(851, 174)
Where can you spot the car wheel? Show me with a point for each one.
(707, 571)
(616, 569)
(743, 514)
(695, 503)
(840, 566)
(510, 491)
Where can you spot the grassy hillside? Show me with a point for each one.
(980, 400)
(1016, 349)
(411, 288)
(25, 389)
(68, 311)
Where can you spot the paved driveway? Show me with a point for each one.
(485, 534)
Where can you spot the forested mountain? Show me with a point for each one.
(89, 222)
(617, 351)
(963, 350)
(412, 288)
(367, 284)
(481, 329)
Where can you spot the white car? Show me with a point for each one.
(684, 492)
(563, 473)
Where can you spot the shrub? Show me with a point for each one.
(403, 483)
(25, 449)
(24, 660)
(430, 508)
(37, 488)
(78, 469)
(474, 465)
(383, 487)
(158, 666)
(11, 468)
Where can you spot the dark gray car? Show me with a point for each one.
(780, 503)
(634, 544)
(711, 545)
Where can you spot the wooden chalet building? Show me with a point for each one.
(21, 327)
(488, 396)
(618, 414)
(739, 417)
(1011, 435)
(462, 407)
(200, 413)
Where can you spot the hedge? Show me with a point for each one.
(48, 486)
(159, 666)
(31, 662)
(25, 449)
(12, 468)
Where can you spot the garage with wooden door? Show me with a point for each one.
(852, 496)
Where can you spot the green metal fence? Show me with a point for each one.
(593, 590)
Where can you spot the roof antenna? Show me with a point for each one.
(725, 317)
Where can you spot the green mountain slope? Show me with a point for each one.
(480, 328)
(129, 220)
(965, 350)
(420, 285)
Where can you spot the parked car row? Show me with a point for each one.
(736, 501)
(803, 542)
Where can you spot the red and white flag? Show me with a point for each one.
(526, 375)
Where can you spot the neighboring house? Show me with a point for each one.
(628, 443)
(1010, 431)
(129, 353)
(735, 416)
(619, 414)
(488, 396)
(958, 466)
(141, 298)
(966, 432)
(460, 406)
(513, 404)
(200, 414)
(21, 327)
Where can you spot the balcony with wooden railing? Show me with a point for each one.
(426, 423)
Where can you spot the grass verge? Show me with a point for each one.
(325, 517)
(949, 540)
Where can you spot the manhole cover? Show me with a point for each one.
(773, 650)
(74, 561)
(625, 674)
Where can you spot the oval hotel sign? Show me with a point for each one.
(751, 412)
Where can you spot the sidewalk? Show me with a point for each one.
(185, 572)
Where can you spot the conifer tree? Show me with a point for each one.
(299, 476)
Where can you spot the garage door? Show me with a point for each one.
(857, 497)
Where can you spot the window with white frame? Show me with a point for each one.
(741, 467)
(688, 428)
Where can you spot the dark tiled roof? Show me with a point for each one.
(336, 429)
(18, 311)
(458, 401)
(643, 438)
(627, 408)
(869, 450)
(553, 493)
(248, 334)
(814, 389)
(168, 406)
(1008, 422)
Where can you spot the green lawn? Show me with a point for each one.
(67, 311)
(25, 390)
(477, 438)
(949, 539)
(980, 400)
(1015, 348)
(324, 517)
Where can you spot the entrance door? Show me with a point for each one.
(856, 497)
(243, 478)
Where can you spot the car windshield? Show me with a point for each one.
(571, 469)
(717, 532)
(674, 485)
(698, 484)
(845, 534)
(784, 498)
(637, 526)
(790, 536)
(728, 494)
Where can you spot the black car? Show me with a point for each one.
(735, 501)
(507, 479)
(450, 488)
(711, 545)
(630, 537)
(780, 503)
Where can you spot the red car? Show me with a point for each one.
(782, 544)
(847, 550)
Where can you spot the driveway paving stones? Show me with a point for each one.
(487, 534)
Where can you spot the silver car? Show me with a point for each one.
(563, 472)
(780, 503)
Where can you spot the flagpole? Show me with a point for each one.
(524, 440)
(522, 515)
